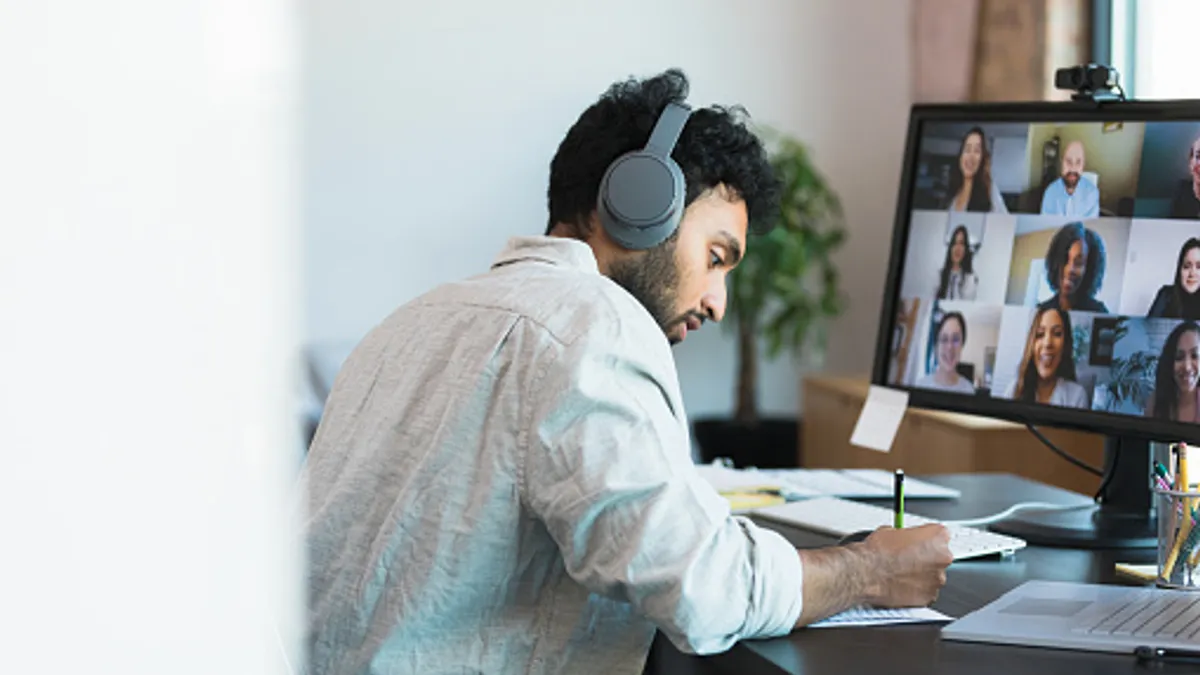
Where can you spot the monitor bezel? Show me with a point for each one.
(1112, 424)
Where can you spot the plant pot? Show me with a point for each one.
(771, 444)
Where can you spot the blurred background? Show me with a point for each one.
(206, 204)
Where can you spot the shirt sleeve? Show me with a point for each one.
(607, 468)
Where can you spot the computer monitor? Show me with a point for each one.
(1045, 269)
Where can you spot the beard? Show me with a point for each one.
(1071, 179)
(652, 279)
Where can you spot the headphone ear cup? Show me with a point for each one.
(641, 199)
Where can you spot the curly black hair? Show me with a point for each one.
(1060, 247)
(715, 148)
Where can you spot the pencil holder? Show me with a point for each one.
(1178, 508)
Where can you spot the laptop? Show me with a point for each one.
(1088, 617)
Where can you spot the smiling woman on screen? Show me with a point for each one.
(971, 185)
(1047, 373)
(957, 279)
(1176, 396)
(1181, 300)
(951, 336)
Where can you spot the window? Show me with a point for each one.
(1149, 42)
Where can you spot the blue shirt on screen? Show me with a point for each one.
(1084, 203)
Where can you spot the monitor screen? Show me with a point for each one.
(1046, 266)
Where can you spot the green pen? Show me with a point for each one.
(898, 499)
(1162, 471)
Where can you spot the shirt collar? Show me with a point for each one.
(554, 250)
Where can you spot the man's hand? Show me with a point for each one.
(891, 568)
(911, 564)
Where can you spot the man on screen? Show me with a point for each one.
(1072, 194)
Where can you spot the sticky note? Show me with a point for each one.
(880, 419)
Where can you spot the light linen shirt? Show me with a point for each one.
(1083, 203)
(502, 483)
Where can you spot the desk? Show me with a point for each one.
(901, 650)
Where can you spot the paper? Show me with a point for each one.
(867, 616)
(880, 419)
(724, 479)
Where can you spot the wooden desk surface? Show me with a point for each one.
(900, 650)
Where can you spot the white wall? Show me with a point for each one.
(146, 255)
(421, 157)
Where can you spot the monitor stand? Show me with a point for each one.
(1124, 519)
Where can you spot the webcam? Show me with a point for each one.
(1090, 82)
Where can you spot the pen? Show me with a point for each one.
(898, 499)
(1145, 653)
(1162, 471)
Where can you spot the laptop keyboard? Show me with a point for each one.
(1150, 616)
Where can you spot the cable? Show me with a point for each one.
(1024, 506)
(1049, 444)
(1109, 471)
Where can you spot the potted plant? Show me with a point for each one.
(783, 293)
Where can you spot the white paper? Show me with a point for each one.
(724, 479)
(880, 419)
(867, 616)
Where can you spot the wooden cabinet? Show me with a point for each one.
(938, 442)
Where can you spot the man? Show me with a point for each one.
(1072, 194)
(502, 480)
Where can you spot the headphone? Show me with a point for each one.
(642, 193)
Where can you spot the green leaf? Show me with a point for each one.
(787, 285)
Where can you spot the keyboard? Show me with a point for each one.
(1158, 615)
(840, 517)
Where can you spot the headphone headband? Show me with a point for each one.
(666, 131)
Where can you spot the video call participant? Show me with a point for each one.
(1186, 203)
(971, 185)
(1072, 194)
(950, 338)
(1047, 371)
(1075, 264)
(1181, 300)
(957, 279)
(1176, 396)
(502, 479)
